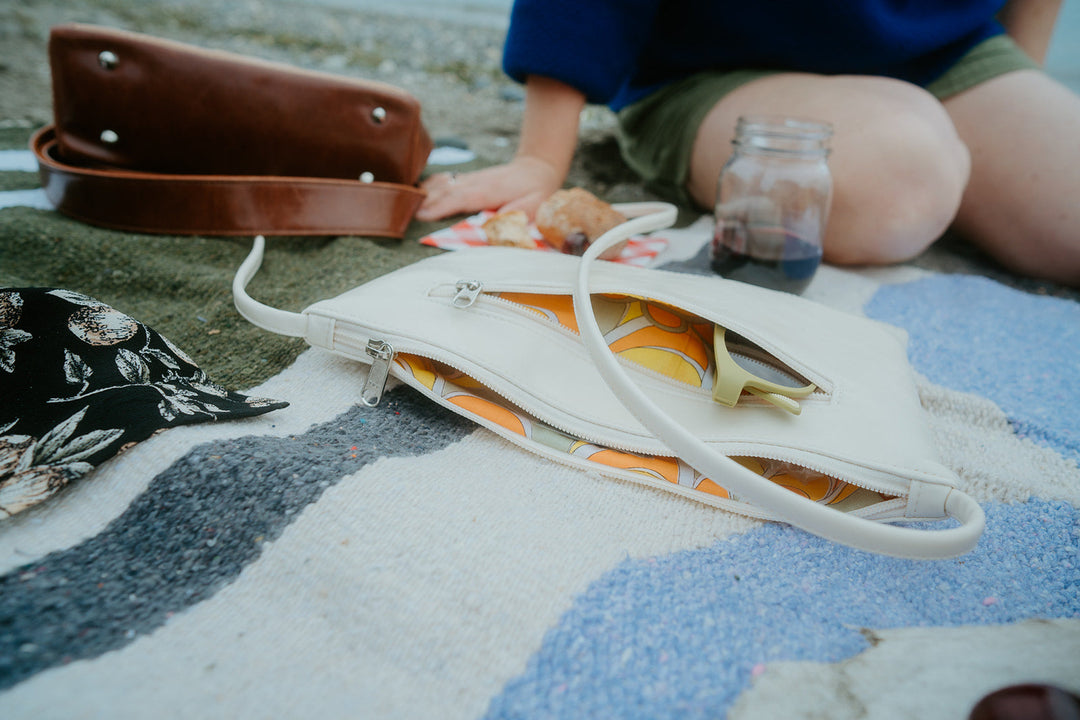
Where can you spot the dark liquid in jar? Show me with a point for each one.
(769, 257)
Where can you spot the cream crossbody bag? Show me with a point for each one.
(750, 400)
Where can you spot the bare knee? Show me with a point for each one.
(898, 182)
(899, 167)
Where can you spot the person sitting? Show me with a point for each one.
(943, 116)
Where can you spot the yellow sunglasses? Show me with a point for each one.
(743, 365)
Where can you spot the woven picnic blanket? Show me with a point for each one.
(330, 560)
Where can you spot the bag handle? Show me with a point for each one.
(282, 322)
(801, 512)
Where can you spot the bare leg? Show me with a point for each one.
(899, 168)
(1021, 205)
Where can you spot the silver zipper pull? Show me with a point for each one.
(467, 291)
(381, 353)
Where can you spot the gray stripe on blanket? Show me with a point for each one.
(199, 523)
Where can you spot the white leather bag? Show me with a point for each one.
(491, 333)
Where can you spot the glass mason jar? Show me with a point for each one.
(772, 203)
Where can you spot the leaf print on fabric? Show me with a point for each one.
(261, 402)
(208, 386)
(9, 338)
(193, 395)
(31, 471)
(80, 382)
(178, 352)
(178, 401)
(132, 367)
(55, 447)
(76, 371)
(85, 446)
(164, 358)
(101, 325)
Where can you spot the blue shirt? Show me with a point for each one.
(619, 51)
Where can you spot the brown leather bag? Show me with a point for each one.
(157, 136)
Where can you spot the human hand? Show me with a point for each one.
(521, 184)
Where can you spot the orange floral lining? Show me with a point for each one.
(652, 335)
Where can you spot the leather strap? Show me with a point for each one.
(221, 204)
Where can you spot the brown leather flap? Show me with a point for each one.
(222, 204)
(141, 103)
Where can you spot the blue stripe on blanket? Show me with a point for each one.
(975, 335)
(194, 530)
(679, 636)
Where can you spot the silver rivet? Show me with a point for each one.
(378, 115)
(107, 59)
(109, 137)
(367, 177)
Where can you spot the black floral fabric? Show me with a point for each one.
(80, 381)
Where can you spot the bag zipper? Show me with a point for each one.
(469, 292)
(381, 353)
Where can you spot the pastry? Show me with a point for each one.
(509, 228)
(570, 220)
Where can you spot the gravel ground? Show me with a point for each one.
(449, 61)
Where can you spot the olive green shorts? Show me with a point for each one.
(656, 134)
